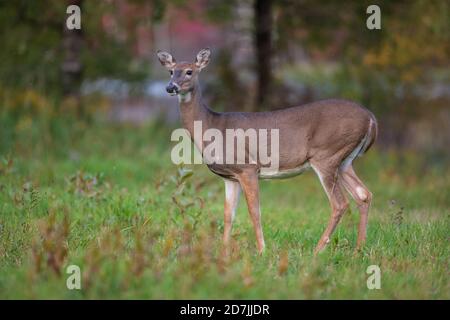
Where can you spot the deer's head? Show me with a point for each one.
(183, 75)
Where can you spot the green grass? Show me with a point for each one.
(108, 199)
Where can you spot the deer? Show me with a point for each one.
(325, 136)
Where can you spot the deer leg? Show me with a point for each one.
(363, 198)
(250, 186)
(339, 203)
(232, 193)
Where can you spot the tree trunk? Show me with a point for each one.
(263, 48)
(71, 67)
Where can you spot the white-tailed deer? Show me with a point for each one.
(325, 136)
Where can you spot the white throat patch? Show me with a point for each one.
(184, 97)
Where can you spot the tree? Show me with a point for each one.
(39, 52)
(71, 66)
(263, 21)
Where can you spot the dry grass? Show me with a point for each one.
(139, 227)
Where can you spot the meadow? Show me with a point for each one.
(106, 197)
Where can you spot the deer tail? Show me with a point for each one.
(371, 135)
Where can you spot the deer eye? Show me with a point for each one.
(189, 72)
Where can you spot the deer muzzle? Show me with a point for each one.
(172, 88)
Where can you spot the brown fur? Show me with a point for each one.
(323, 134)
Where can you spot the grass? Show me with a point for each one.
(108, 199)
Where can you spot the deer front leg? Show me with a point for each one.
(232, 193)
(250, 185)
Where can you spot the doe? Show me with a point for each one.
(325, 135)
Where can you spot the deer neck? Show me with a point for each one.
(193, 109)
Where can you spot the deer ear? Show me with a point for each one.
(166, 59)
(202, 58)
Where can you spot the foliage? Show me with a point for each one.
(32, 52)
(107, 198)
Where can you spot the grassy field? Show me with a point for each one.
(108, 199)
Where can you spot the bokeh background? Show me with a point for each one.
(85, 170)
(266, 55)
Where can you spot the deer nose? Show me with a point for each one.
(172, 88)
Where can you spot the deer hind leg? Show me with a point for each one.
(332, 185)
(250, 186)
(362, 196)
(232, 193)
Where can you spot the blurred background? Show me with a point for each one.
(85, 170)
(266, 55)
